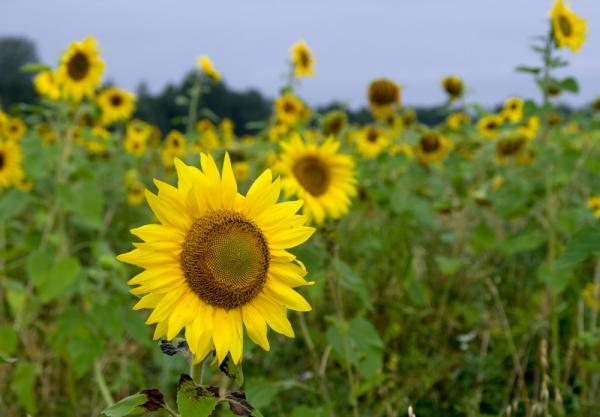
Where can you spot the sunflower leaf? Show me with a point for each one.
(193, 400)
(140, 403)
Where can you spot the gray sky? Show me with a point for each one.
(414, 42)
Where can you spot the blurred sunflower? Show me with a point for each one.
(135, 144)
(13, 128)
(175, 147)
(593, 203)
(432, 147)
(394, 124)
(384, 97)
(207, 67)
(334, 123)
(97, 145)
(227, 129)
(409, 118)
(568, 29)
(453, 86)
(135, 193)
(46, 85)
(241, 170)
(209, 141)
(319, 175)
(456, 121)
(553, 119)
(596, 104)
(115, 104)
(371, 141)
(404, 149)
(218, 262)
(512, 111)
(512, 146)
(46, 133)
(80, 70)
(302, 60)
(530, 129)
(489, 126)
(11, 170)
(289, 109)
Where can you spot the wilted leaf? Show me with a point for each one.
(140, 403)
(194, 401)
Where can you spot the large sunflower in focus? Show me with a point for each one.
(11, 170)
(302, 59)
(218, 262)
(80, 70)
(384, 97)
(116, 105)
(319, 175)
(568, 29)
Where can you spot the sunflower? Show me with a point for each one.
(135, 144)
(319, 175)
(80, 70)
(568, 29)
(553, 119)
(596, 104)
(489, 126)
(13, 128)
(207, 67)
(432, 147)
(453, 86)
(209, 141)
(384, 97)
(512, 111)
(175, 147)
(227, 129)
(46, 133)
(97, 145)
(302, 60)
(409, 118)
(404, 149)
(530, 129)
(593, 203)
(371, 142)
(334, 123)
(241, 170)
(218, 262)
(116, 105)
(11, 169)
(456, 121)
(204, 125)
(135, 193)
(289, 109)
(46, 85)
(512, 146)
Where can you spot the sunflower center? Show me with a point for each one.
(304, 58)
(2, 160)
(312, 174)
(225, 259)
(78, 66)
(430, 143)
(565, 26)
(372, 136)
(116, 100)
(288, 107)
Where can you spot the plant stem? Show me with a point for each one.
(195, 93)
(101, 382)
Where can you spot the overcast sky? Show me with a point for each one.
(415, 42)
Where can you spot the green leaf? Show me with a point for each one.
(557, 279)
(9, 340)
(85, 200)
(38, 265)
(531, 70)
(194, 401)
(35, 68)
(140, 403)
(522, 242)
(233, 371)
(570, 84)
(261, 392)
(352, 282)
(12, 202)
(448, 266)
(57, 280)
(7, 359)
(583, 244)
(23, 385)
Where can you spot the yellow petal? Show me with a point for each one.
(222, 333)
(229, 186)
(256, 326)
(287, 296)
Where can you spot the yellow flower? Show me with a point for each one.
(13, 128)
(596, 104)
(453, 86)
(591, 295)
(409, 118)
(497, 182)
(116, 105)
(135, 193)
(432, 147)
(319, 175)
(334, 123)
(204, 125)
(175, 147)
(217, 264)
(97, 146)
(511, 146)
(289, 109)
(80, 70)
(11, 169)
(456, 121)
(209, 141)
(135, 144)
(46, 134)
(568, 29)
(384, 98)
(241, 170)
(302, 60)
(206, 65)
(489, 126)
(227, 131)
(512, 110)
(46, 85)
(402, 148)
(278, 131)
(593, 204)
(131, 176)
(530, 129)
(371, 142)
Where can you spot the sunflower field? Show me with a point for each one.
(318, 267)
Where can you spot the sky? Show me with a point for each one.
(414, 42)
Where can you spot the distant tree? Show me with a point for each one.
(15, 86)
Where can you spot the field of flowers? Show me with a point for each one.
(318, 267)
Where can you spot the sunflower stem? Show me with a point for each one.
(195, 94)
(101, 382)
